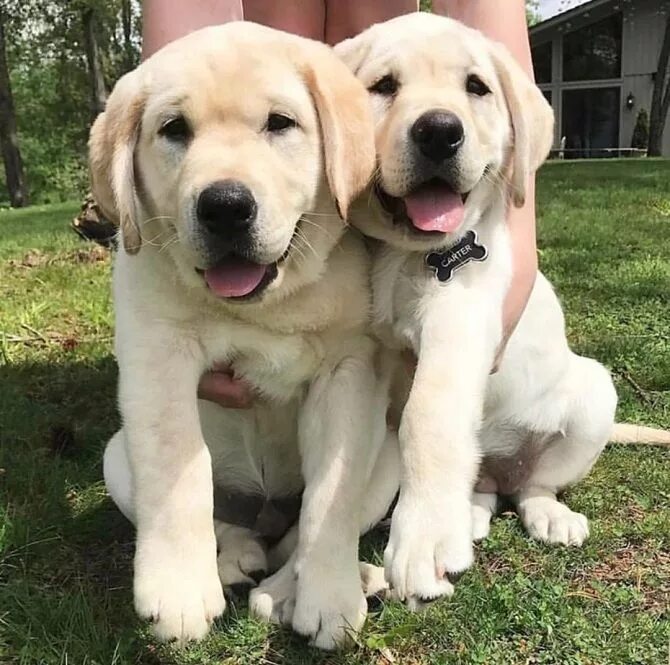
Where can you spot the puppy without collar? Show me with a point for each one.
(227, 159)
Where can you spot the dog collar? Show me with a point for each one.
(447, 262)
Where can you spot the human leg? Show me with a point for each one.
(306, 18)
(346, 18)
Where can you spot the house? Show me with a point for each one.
(596, 65)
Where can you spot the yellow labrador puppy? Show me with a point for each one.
(229, 159)
(459, 131)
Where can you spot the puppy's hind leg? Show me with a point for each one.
(118, 478)
(569, 457)
(241, 560)
(484, 505)
(382, 489)
(280, 553)
(274, 599)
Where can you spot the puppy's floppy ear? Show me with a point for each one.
(111, 158)
(532, 121)
(354, 51)
(347, 128)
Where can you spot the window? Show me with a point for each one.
(542, 62)
(594, 51)
(547, 95)
(590, 121)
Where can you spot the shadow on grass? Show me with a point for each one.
(65, 551)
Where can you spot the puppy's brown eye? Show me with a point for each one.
(475, 86)
(278, 122)
(387, 86)
(176, 129)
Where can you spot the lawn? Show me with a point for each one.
(66, 553)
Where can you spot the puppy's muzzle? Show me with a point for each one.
(433, 200)
(226, 213)
(227, 210)
(438, 135)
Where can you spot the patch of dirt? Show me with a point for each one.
(37, 259)
(630, 511)
(660, 206)
(496, 565)
(33, 259)
(68, 342)
(634, 566)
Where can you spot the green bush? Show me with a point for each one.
(641, 132)
(56, 169)
(50, 82)
(53, 116)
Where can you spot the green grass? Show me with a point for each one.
(66, 553)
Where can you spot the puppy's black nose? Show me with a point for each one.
(438, 134)
(226, 207)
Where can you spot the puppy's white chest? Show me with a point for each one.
(293, 363)
(407, 286)
(400, 283)
(277, 365)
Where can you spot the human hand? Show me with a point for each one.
(220, 386)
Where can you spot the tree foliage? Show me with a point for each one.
(64, 55)
(533, 15)
(51, 82)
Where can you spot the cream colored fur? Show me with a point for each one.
(538, 424)
(318, 421)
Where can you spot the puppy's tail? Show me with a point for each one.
(628, 433)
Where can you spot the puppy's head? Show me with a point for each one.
(236, 151)
(457, 121)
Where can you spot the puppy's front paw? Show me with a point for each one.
(550, 521)
(181, 595)
(430, 546)
(330, 606)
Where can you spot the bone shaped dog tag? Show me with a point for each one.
(446, 263)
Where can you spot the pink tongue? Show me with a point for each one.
(435, 207)
(235, 277)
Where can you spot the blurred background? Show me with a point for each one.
(602, 64)
(58, 60)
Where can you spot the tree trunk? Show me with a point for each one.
(11, 155)
(95, 74)
(127, 22)
(660, 101)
